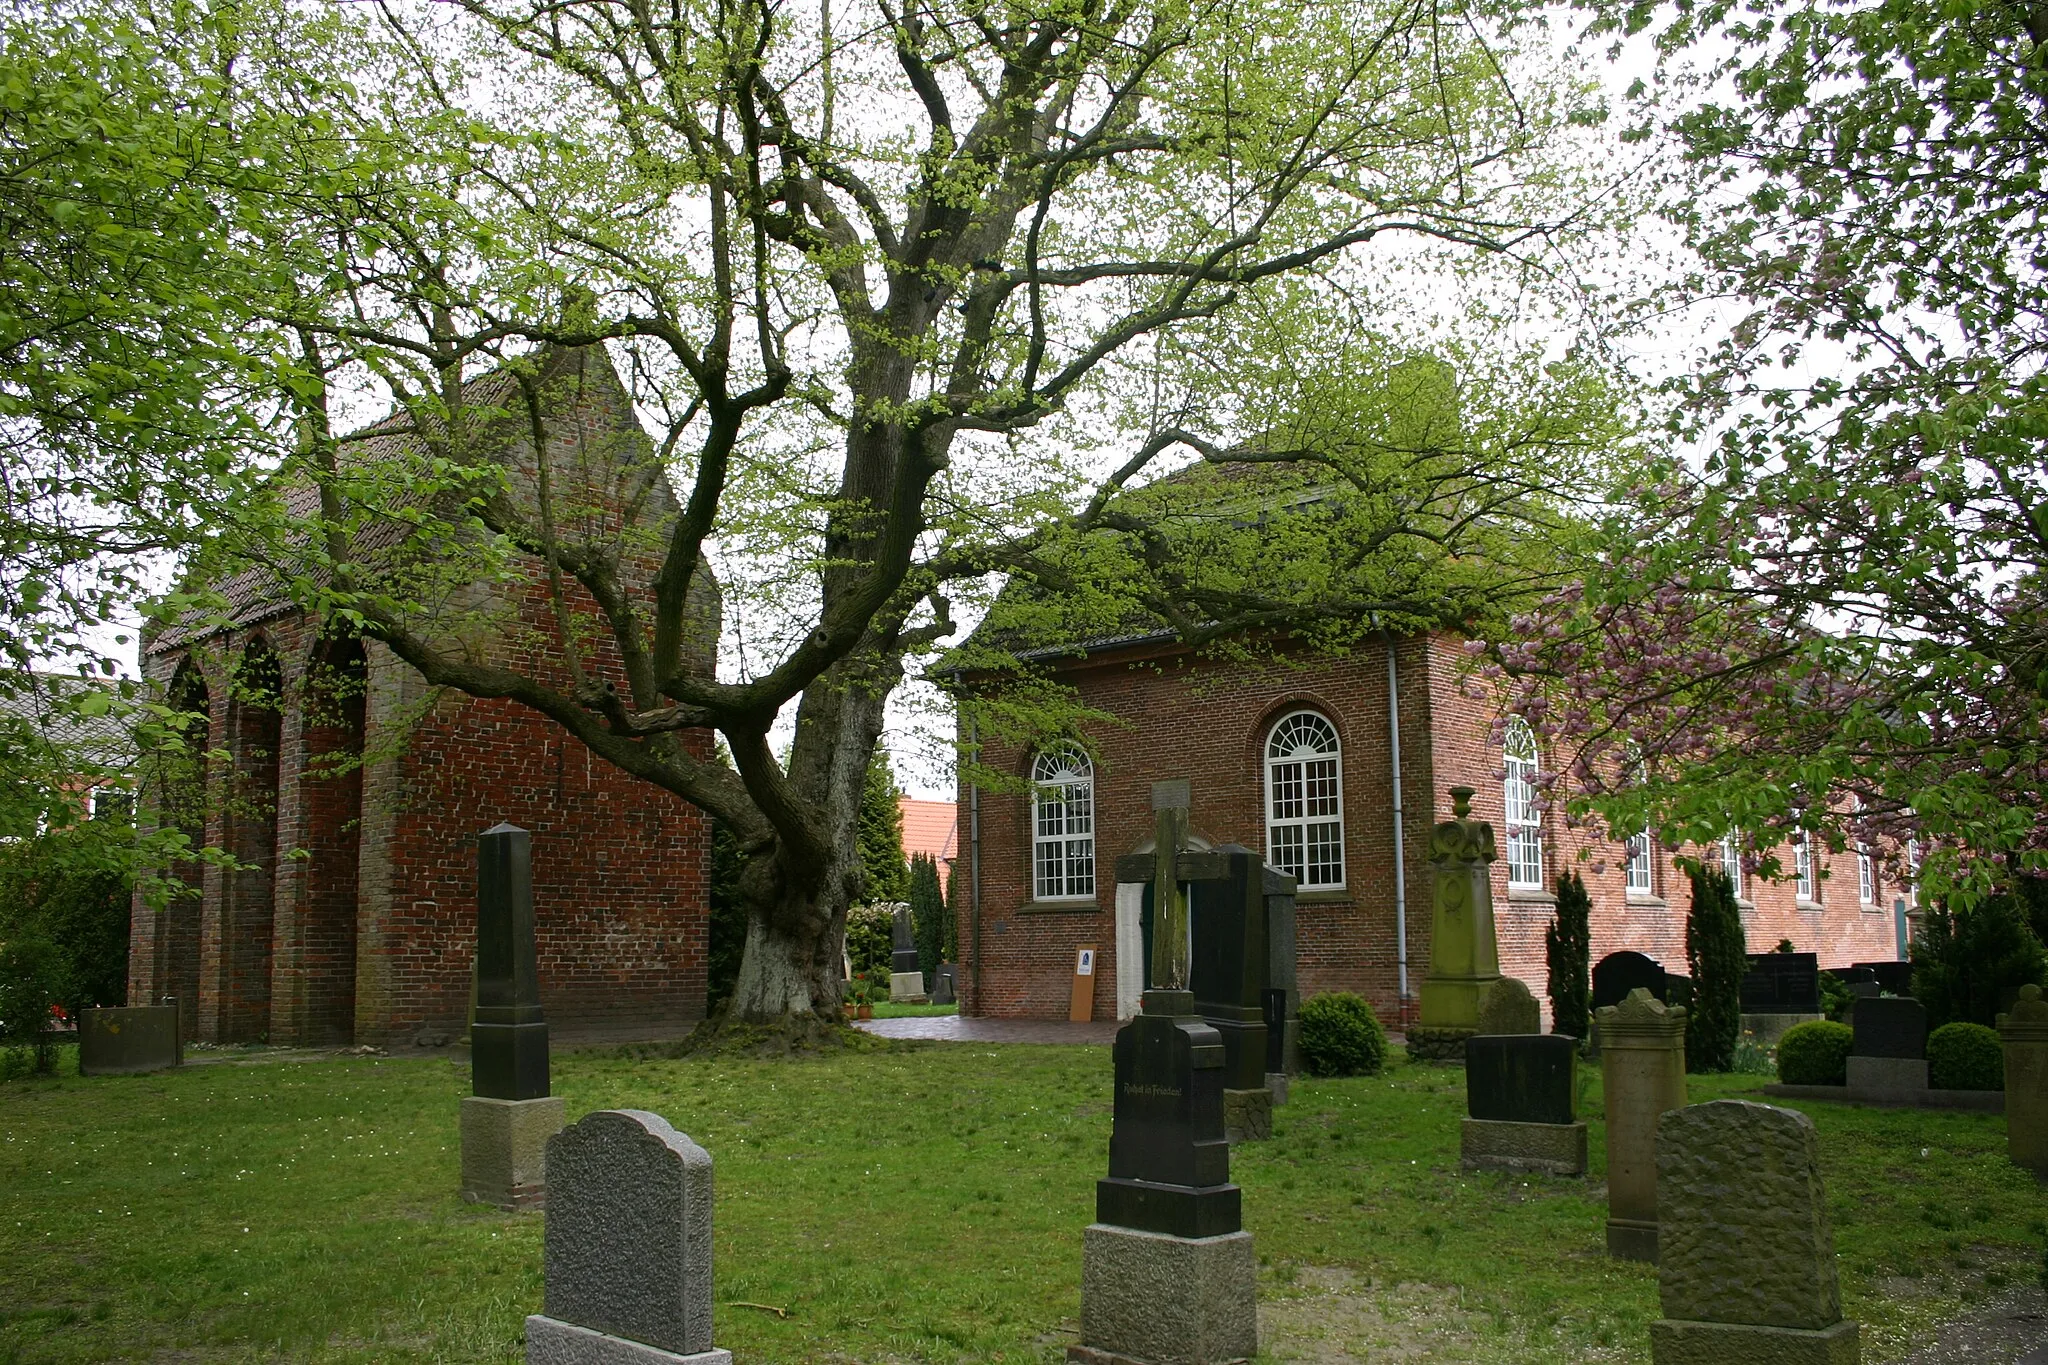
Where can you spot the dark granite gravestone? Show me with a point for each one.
(1228, 962)
(903, 954)
(1283, 1022)
(1781, 983)
(508, 1057)
(944, 992)
(1522, 1078)
(1890, 1026)
(1896, 977)
(1615, 975)
(1169, 1162)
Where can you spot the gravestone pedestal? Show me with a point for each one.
(1521, 1098)
(2025, 1032)
(1642, 1069)
(1746, 1264)
(504, 1149)
(1167, 1275)
(1464, 955)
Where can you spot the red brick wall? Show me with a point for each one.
(1182, 717)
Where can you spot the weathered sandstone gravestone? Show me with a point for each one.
(906, 980)
(1746, 1259)
(127, 1039)
(506, 1124)
(1509, 1008)
(2025, 1031)
(1464, 954)
(1167, 1271)
(628, 1247)
(1522, 1105)
(1642, 1071)
(1889, 1055)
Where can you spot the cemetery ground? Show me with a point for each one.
(898, 1202)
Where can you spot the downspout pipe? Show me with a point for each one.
(1400, 853)
(974, 854)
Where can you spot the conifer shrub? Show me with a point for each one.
(1340, 1036)
(1568, 952)
(927, 916)
(1718, 957)
(1815, 1053)
(1965, 1057)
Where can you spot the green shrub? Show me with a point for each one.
(1718, 957)
(1965, 1057)
(1835, 998)
(927, 916)
(870, 939)
(1815, 1053)
(1340, 1036)
(1967, 961)
(32, 979)
(1567, 951)
(728, 929)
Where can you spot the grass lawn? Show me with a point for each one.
(886, 1009)
(911, 1202)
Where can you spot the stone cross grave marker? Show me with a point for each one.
(506, 1124)
(1889, 1054)
(1746, 1257)
(627, 1248)
(1167, 1270)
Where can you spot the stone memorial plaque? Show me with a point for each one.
(628, 1239)
(1522, 1078)
(1743, 1222)
(1890, 1026)
(1615, 975)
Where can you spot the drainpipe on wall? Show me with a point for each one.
(1400, 854)
(974, 854)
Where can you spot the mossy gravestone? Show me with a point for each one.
(2025, 1033)
(1746, 1257)
(1464, 955)
(1509, 1008)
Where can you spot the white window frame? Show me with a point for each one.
(1913, 872)
(1523, 823)
(1639, 874)
(1866, 876)
(1291, 836)
(1731, 862)
(1062, 840)
(1805, 886)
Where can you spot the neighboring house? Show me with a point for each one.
(86, 747)
(353, 793)
(933, 829)
(1295, 759)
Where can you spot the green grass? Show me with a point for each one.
(885, 1009)
(902, 1203)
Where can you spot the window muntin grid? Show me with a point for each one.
(1731, 861)
(1062, 825)
(1639, 879)
(1866, 876)
(1305, 801)
(1518, 799)
(1804, 885)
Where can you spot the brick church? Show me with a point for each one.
(1297, 761)
(350, 794)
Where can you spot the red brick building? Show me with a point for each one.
(1295, 760)
(351, 793)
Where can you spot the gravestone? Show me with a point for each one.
(1893, 977)
(627, 1248)
(1167, 1270)
(1746, 1257)
(906, 979)
(1522, 1104)
(128, 1039)
(1617, 974)
(507, 1122)
(1228, 973)
(1509, 1008)
(2024, 1030)
(1464, 955)
(944, 991)
(1889, 1054)
(1642, 1069)
(1781, 983)
(1282, 999)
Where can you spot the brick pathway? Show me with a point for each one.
(954, 1028)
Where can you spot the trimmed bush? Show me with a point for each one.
(1567, 950)
(1965, 1057)
(1718, 957)
(1340, 1036)
(1815, 1053)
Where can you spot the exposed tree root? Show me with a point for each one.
(803, 1035)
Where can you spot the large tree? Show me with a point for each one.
(1834, 617)
(911, 297)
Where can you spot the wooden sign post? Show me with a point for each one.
(1083, 1007)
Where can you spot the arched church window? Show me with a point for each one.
(1063, 824)
(1305, 801)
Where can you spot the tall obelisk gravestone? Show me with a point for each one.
(1167, 1272)
(506, 1124)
